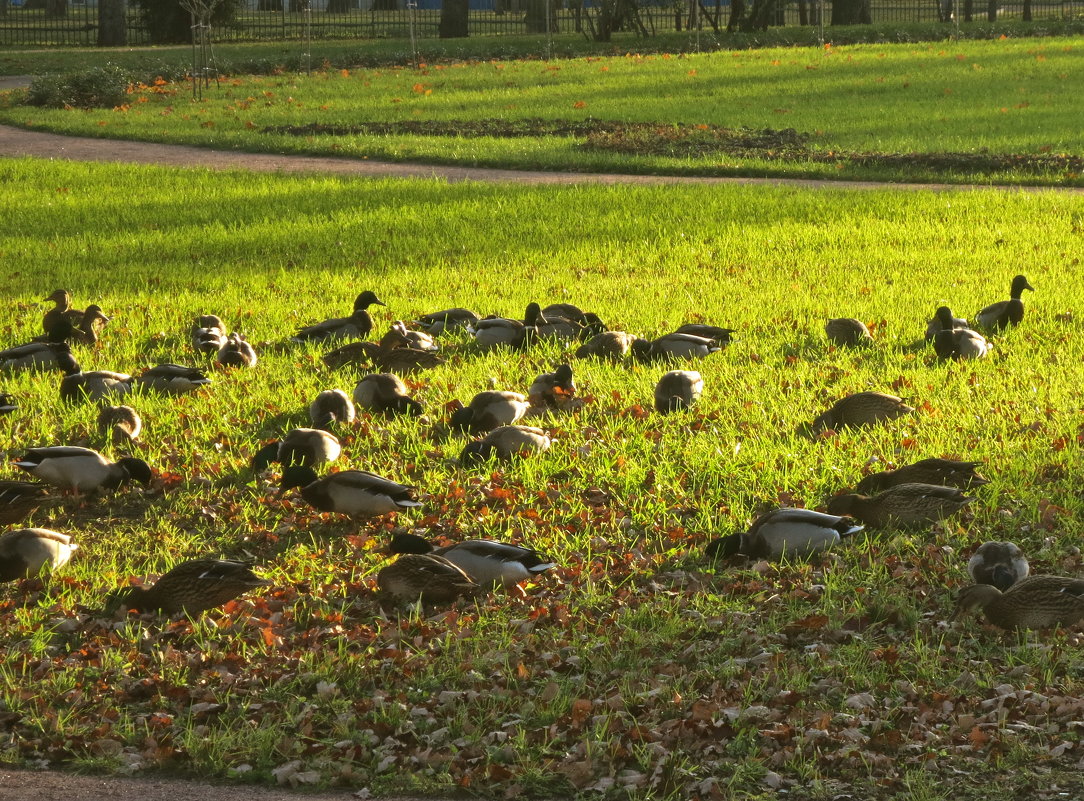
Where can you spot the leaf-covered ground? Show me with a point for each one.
(635, 668)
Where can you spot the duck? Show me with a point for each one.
(902, 505)
(493, 332)
(94, 385)
(63, 307)
(550, 389)
(490, 409)
(301, 446)
(674, 346)
(399, 336)
(39, 356)
(1036, 602)
(331, 406)
(719, 335)
(1001, 564)
(27, 551)
(488, 562)
(19, 500)
(505, 443)
(678, 390)
(7, 403)
(862, 409)
(397, 360)
(786, 532)
(539, 326)
(613, 345)
(237, 352)
(82, 469)
(122, 423)
(358, 324)
(349, 492)
(935, 324)
(171, 379)
(1005, 313)
(957, 343)
(847, 332)
(190, 587)
(208, 334)
(428, 578)
(566, 311)
(85, 328)
(438, 322)
(385, 393)
(946, 472)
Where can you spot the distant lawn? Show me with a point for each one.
(1003, 111)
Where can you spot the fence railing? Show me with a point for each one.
(39, 23)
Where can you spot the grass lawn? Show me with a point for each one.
(1001, 111)
(635, 668)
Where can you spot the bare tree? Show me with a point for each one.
(202, 57)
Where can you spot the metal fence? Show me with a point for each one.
(37, 23)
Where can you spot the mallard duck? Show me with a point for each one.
(539, 326)
(301, 446)
(549, 389)
(793, 533)
(901, 505)
(349, 492)
(505, 442)
(84, 328)
(957, 343)
(171, 379)
(487, 562)
(674, 346)
(490, 409)
(208, 334)
(122, 423)
(999, 315)
(190, 587)
(491, 332)
(63, 306)
(94, 385)
(935, 325)
(358, 324)
(385, 393)
(718, 334)
(946, 472)
(82, 469)
(27, 551)
(39, 356)
(7, 403)
(20, 499)
(331, 406)
(613, 345)
(396, 360)
(847, 332)
(441, 321)
(862, 409)
(567, 311)
(237, 352)
(426, 577)
(678, 390)
(999, 563)
(1036, 602)
(399, 336)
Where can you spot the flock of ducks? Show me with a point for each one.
(915, 495)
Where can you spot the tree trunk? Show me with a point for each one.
(991, 11)
(56, 8)
(803, 13)
(850, 12)
(737, 10)
(4, 4)
(535, 17)
(969, 9)
(112, 23)
(453, 19)
(1027, 11)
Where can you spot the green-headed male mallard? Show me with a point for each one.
(487, 562)
(957, 343)
(790, 533)
(39, 356)
(1036, 602)
(1001, 564)
(27, 551)
(385, 393)
(301, 446)
(678, 390)
(82, 469)
(190, 587)
(902, 505)
(674, 346)
(349, 492)
(1004, 313)
(490, 409)
(446, 320)
(331, 406)
(358, 324)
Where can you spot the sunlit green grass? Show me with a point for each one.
(634, 660)
(970, 98)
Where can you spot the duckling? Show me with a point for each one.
(957, 343)
(719, 335)
(490, 409)
(301, 446)
(426, 577)
(505, 442)
(386, 393)
(51, 319)
(612, 345)
(847, 332)
(94, 385)
(122, 423)
(331, 406)
(487, 562)
(674, 346)
(946, 472)
(237, 352)
(902, 505)
(82, 469)
(39, 356)
(358, 324)
(793, 533)
(999, 563)
(7, 403)
(20, 499)
(1000, 315)
(441, 321)
(492, 332)
(399, 336)
(172, 379)
(678, 390)
(1036, 602)
(935, 325)
(862, 409)
(27, 551)
(349, 492)
(190, 587)
(208, 334)
(550, 389)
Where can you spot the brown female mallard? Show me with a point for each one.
(190, 587)
(121, 423)
(847, 332)
(946, 472)
(1037, 602)
(862, 409)
(505, 442)
(20, 499)
(301, 446)
(678, 390)
(612, 345)
(551, 389)
(385, 393)
(426, 577)
(901, 505)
